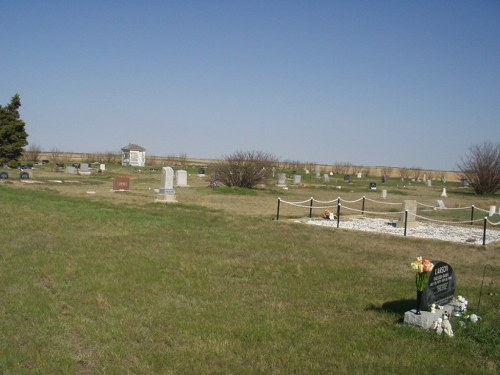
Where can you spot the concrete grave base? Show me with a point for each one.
(165, 198)
(426, 318)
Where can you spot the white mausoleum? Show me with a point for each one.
(134, 155)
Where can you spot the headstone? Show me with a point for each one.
(71, 170)
(443, 194)
(373, 186)
(384, 194)
(166, 193)
(429, 183)
(411, 219)
(84, 169)
(102, 167)
(441, 287)
(318, 174)
(326, 177)
(492, 210)
(121, 184)
(281, 179)
(360, 175)
(181, 178)
(297, 179)
(307, 171)
(202, 171)
(440, 204)
(347, 178)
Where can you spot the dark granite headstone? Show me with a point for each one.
(441, 287)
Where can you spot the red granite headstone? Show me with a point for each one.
(121, 183)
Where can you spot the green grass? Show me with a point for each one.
(88, 286)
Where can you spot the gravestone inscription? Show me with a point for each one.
(441, 287)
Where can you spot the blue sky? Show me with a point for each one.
(395, 83)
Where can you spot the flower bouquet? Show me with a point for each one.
(423, 268)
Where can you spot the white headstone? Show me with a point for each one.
(281, 179)
(166, 191)
(181, 178)
(440, 204)
(326, 177)
(360, 175)
(167, 180)
(492, 210)
(318, 173)
(102, 167)
(443, 194)
(384, 194)
(297, 179)
(411, 218)
(429, 183)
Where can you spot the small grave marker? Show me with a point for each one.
(121, 184)
(440, 204)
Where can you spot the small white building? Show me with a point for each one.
(134, 155)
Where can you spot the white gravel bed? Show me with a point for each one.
(444, 232)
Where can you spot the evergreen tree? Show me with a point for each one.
(13, 136)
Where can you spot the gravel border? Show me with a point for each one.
(443, 232)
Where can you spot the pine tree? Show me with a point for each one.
(13, 136)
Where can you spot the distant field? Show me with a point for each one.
(100, 282)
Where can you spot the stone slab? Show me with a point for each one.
(165, 198)
(426, 318)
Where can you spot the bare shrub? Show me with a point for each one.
(245, 168)
(481, 167)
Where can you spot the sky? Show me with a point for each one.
(375, 83)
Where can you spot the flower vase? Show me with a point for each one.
(419, 302)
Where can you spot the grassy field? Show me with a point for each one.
(96, 282)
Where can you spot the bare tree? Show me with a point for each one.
(33, 153)
(386, 172)
(355, 169)
(56, 155)
(481, 167)
(415, 173)
(245, 168)
(404, 173)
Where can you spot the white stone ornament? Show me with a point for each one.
(447, 326)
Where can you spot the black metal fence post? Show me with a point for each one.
(311, 208)
(363, 206)
(406, 220)
(484, 230)
(278, 210)
(472, 215)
